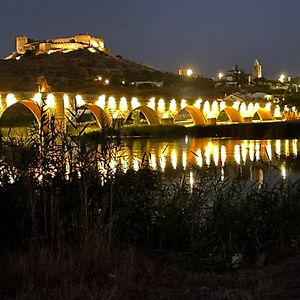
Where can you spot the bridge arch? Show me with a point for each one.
(30, 105)
(195, 113)
(232, 115)
(150, 115)
(262, 114)
(100, 115)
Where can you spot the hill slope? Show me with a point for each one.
(76, 72)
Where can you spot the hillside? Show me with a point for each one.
(77, 71)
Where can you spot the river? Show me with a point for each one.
(255, 160)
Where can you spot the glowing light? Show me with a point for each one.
(162, 162)
(295, 147)
(215, 109)
(10, 99)
(282, 78)
(236, 105)
(257, 151)
(123, 104)
(277, 112)
(244, 151)
(66, 101)
(199, 158)
(186, 139)
(161, 105)
(101, 101)
(92, 50)
(268, 106)
(79, 101)
(256, 107)
(151, 103)
(18, 57)
(283, 171)
(50, 100)
(135, 165)
(207, 152)
(250, 109)
(251, 150)
(278, 147)
(37, 98)
(237, 154)
(184, 159)
(223, 155)
(192, 181)
(287, 148)
(174, 158)
(183, 104)
(153, 161)
(173, 106)
(123, 82)
(99, 78)
(243, 110)
(112, 103)
(135, 103)
(206, 108)
(189, 72)
(222, 105)
(220, 76)
(106, 81)
(216, 154)
(269, 150)
(198, 103)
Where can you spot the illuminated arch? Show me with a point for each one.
(233, 115)
(100, 115)
(196, 115)
(30, 105)
(149, 114)
(263, 114)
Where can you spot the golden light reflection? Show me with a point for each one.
(223, 155)
(199, 158)
(153, 161)
(101, 101)
(269, 150)
(251, 150)
(184, 159)
(257, 151)
(283, 171)
(174, 158)
(162, 162)
(237, 154)
(192, 181)
(286, 148)
(243, 110)
(244, 149)
(207, 153)
(278, 147)
(295, 147)
(135, 164)
(216, 154)
(215, 109)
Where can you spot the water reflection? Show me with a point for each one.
(249, 159)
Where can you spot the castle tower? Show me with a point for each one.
(21, 41)
(256, 70)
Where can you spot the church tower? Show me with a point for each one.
(256, 70)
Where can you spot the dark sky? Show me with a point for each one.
(210, 35)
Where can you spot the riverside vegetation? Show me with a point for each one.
(72, 225)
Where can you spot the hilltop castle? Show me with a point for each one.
(24, 44)
(256, 70)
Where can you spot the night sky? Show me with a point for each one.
(210, 35)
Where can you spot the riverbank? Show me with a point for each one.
(265, 130)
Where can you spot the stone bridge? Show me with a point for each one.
(108, 109)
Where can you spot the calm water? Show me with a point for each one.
(256, 160)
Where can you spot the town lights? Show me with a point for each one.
(10, 99)
(79, 101)
(101, 101)
(50, 100)
(189, 72)
(221, 75)
(281, 78)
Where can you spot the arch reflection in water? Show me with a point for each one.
(212, 155)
